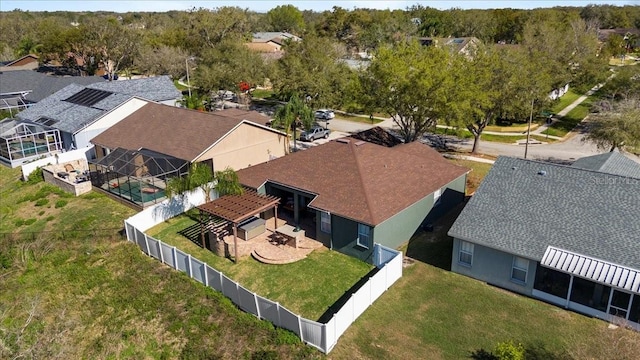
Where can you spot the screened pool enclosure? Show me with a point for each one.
(138, 176)
(23, 140)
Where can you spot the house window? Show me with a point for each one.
(364, 238)
(466, 253)
(436, 197)
(519, 269)
(325, 222)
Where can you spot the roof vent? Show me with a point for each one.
(514, 168)
(542, 172)
(343, 140)
(360, 143)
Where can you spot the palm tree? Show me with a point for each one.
(194, 101)
(290, 115)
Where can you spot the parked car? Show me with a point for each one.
(315, 133)
(325, 114)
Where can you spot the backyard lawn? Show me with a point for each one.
(435, 314)
(72, 288)
(307, 287)
(478, 172)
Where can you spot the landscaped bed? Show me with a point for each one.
(307, 287)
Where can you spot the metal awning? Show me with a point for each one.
(236, 208)
(587, 267)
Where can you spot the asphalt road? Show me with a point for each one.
(561, 151)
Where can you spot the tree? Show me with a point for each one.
(226, 66)
(200, 176)
(290, 115)
(161, 60)
(483, 87)
(194, 101)
(286, 18)
(411, 84)
(311, 69)
(618, 128)
(624, 84)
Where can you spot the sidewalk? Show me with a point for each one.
(566, 110)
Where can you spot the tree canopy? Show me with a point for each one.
(617, 128)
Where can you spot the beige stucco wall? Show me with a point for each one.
(245, 146)
(50, 176)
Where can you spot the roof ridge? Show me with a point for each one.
(568, 166)
(365, 188)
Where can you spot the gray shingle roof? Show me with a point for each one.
(41, 85)
(72, 117)
(524, 206)
(611, 162)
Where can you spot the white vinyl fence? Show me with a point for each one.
(321, 336)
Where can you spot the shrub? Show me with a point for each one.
(41, 213)
(35, 176)
(18, 222)
(510, 351)
(30, 221)
(50, 218)
(42, 202)
(60, 203)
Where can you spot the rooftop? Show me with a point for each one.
(153, 127)
(358, 180)
(524, 206)
(71, 117)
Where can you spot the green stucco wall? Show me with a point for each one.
(494, 267)
(344, 238)
(398, 229)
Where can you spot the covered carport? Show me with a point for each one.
(235, 209)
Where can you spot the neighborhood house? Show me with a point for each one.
(351, 193)
(568, 235)
(136, 156)
(71, 117)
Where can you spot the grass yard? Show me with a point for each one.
(567, 99)
(435, 314)
(478, 172)
(93, 295)
(359, 118)
(568, 122)
(307, 287)
(263, 94)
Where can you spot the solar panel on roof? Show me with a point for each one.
(46, 121)
(88, 97)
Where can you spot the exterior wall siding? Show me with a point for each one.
(344, 239)
(245, 146)
(84, 136)
(494, 267)
(399, 229)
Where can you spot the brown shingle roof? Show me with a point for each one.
(179, 132)
(358, 180)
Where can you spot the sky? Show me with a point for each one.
(264, 5)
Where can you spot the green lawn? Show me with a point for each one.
(435, 314)
(78, 290)
(307, 287)
(478, 172)
(568, 122)
(263, 94)
(567, 99)
(360, 119)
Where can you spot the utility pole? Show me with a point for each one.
(186, 63)
(526, 146)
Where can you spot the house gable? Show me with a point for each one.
(243, 146)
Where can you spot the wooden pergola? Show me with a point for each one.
(237, 208)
